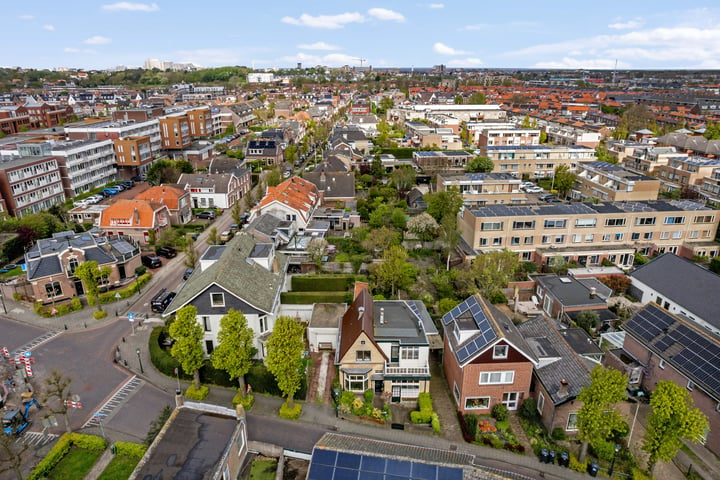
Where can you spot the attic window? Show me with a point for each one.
(217, 299)
(500, 351)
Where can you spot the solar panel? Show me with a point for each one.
(324, 457)
(349, 460)
(398, 468)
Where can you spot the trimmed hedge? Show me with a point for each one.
(421, 416)
(247, 401)
(199, 394)
(435, 423)
(135, 450)
(398, 152)
(129, 291)
(61, 448)
(307, 298)
(99, 314)
(425, 401)
(62, 308)
(290, 413)
(322, 283)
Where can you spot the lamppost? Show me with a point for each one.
(612, 464)
(137, 350)
(2, 299)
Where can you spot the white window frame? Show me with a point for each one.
(690, 385)
(410, 353)
(504, 377)
(540, 403)
(358, 358)
(485, 403)
(574, 427)
(214, 303)
(503, 352)
(456, 393)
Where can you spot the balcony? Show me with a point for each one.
(407, 371)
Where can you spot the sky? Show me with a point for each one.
(637, 34)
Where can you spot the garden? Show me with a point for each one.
(491, 430)
(350, 405)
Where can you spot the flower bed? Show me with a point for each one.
(349, 404)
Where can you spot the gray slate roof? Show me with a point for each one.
(685, 283)
(249, 282)
(334, 185)
(547, 343)
(195, 180)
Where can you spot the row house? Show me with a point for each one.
(620, 149)
(141, 220)
(487, 136)
(13, 119)
(564, 297)
(176, 200)
(352, 136)
(51, 263)
(613, 183)
(384, 346)
(244, 275)
(443, 161)
(692, 144)
(647, 159)
(45, 115)
(535, 161)
(588, 233)
(30, 184)
(212, 190)
(295, 200)
(422, 136)
(463, 112)
(682, 173)
(709, 190)
(479, 189)
(439, 120)
(267, 152)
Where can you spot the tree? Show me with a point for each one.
(236, 212)
(526, 122)
(423, 226)
(493, 270)
(92, 277)
(599, 416)
(212, 238)
(404, 178)
(236, 347)
(449, 235)
(284, 356)
(391, 273)
(273, 178)
(187, 349)
(564, 179)
(477, 98)
(316, 249)
(443, 203)
(673, 419)
(377, 170)
(56, 395)
(191, 253)
(588, 320)
(602, 154)
(480, 164)
(291, 154)
(712, 131)
(458, 100)
(381, 239)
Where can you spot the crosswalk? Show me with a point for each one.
(127, 389)
(37, 439)
(35, 342)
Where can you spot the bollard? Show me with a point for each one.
(84, 324)
(125, 362)
(123, 339)
(66, 326)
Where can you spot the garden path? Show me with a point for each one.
(520, 433)
(100, 465)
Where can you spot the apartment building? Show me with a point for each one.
(479, 189)
(442, 161)
(13, 119)
(613, 183)
(589, 233)
(682, 173)
(131, 125)
(85, 164)
(647, 159)
(463, 112)
(489, 136)
(133, 155)
(201, 122)
(422, 135)
(175, 132)
(535, 161)
(30, 184)
(709, 190)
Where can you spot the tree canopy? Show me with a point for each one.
(394, 272)
(480, 164)
(564, 179)
(92, 277)
(284, 355)
(187, 349)
(443, 203)
(235, 348)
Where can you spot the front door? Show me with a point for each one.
(379, 386)
(396, 393)
(79, 287)
(510, 400)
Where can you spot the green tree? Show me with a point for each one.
(449, 235)
(316, 250)
(187, 349)
(602, 154)
(403, 178)
(212, 238)
(380, 240)
(285, 354)
(493, 270)
(712, 131)
(236, 212)
(391, 273)
(191, 253)
(423, 226)
(273, 178)
(599, 415)
(443, 203)
(92, 277)
(526, 122)
(458, 100)
(563, 180)
(235, 349)
(543, 136)
(291, 153)
(377, 170)
(477, 98)
(588, 320)
(673, 418)
(480, 164)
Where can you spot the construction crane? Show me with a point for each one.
(361, 60)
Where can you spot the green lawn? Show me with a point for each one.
(12, 273)
(263, 470)
(119, 468)
(75, 465)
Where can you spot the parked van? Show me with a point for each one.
(161, 301)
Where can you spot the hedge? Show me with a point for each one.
(99, 314)
(62, 308)
(127, 449)
(129, 291)
(290, 413)
(61, 448)
(199, 394)
(262, 381)
(308, 298)
(425, 401)
(247, 401)
(320, 283)
(421, 416)
(435, 423)
(398, 152)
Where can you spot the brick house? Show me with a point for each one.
(486, 360)
(138, 219)
(176, 200)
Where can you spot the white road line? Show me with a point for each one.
(132, 384)
(36, 342)
(37, 438)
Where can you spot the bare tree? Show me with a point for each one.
(11, 455)
(57, 394)
(191, 253)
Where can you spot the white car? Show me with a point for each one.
(81, 203)
(534, 189)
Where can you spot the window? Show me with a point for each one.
(559, 238)
(664, 235)
(546, 238)
(540, 403)
(510, 400)
(356, 383)
(635, 236)
(409, 353)
(528, 240)
(619, 236)
(491, 226)
(497, 241)
(491, 378)
(72, 265)
(577, 238)
(645, 221)
(614, 222)
(555, 223)
(606, 237)
(661, 364)
(500, 351)
(693, 234)
(572, 422)
(523, 225)
(362, 356)
(263, 324)
(704, 219)
(456, 392)
(477, 403)
(677, 234)
(206, 324)
(585, 222)
(514, 240)
(209, 347)
(674, 220)
(690, 385)
(647, 235)
(53, 289)
(217, 299)
(589, 238)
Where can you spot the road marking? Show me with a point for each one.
(130, 386)
(36, 342)
(37, 439)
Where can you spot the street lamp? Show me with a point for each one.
(612, 464)
(137, 350)
(2, 299)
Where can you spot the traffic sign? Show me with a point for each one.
(131, 316)
(117, 296)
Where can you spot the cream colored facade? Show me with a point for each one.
(612, 183)
(589, 233)
(359, 363)
(535, 161)
(479, 189)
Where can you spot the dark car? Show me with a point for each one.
(188, 272)
(208, 215)
(167, 252)
(128, 184)
(137, 179)
(151, 261)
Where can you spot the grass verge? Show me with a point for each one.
(119, 468)
(75, 465)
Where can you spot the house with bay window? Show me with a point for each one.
(385, 346)
(486, 360)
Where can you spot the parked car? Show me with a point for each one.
(287, 173)
(188, 272)
(151, 261)
(120, 187)
(545, 196)
(81, 203)
(234, 228)
(128, 184)
(226, 236)
(207, 214)
(160, 302)
(534, 189)
(167, 252)
(110, 191)
(137, 179)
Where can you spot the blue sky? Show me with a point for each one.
(469, 33)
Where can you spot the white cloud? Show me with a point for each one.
(26, 17)
(317, 46)
(97, 40)
(590, 64)
(442, 49)
(465, 62)
(437, 5)
(79, 50)
(325, 21)
(131, 7)
(49, 27)
(385, 14)
(629, 25)
(477, 26)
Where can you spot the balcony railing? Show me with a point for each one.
(407, 370)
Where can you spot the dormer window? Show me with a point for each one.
(500, 352)
(72, 265)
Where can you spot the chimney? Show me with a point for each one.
(563, 391)
(593, 291)
(382, 316)
(322, 177)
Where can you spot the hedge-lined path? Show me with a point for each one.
(100, 465)
(442, 404)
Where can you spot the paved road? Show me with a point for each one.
(299, 437)
(15, 334)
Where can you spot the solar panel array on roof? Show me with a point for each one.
(485, 333)
(649, 322)
(333, 465)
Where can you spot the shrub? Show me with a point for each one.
(290, 413)
(497, 443)
(56, 453)
(425, 401)
(99, 314)
(435, 423)
(603, 450)
(500, 412)
(127, 449)
(502, 425)
(198, 394)
(558, 434)
(471, 424)
(322, 283)
(88, 442)
(369, 395)
(421, 416)
(160, 358)
(342, 257)
(140, 270)
(638, 474)
(307, 298)
(61, 308)
(577, 465)
(446, 304)
(129, 291)
(247, 401)
(346, 398)
(497, 296)
(528, 409)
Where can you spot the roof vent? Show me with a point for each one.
(382, 316)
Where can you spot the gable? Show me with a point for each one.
(514, 355)
(203, 303)
(363, 342)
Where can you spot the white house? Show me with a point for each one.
(211, 190)
(294, 200)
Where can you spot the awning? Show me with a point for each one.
(356, 371)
